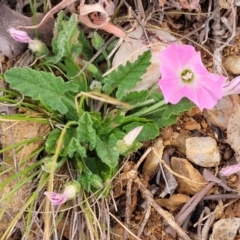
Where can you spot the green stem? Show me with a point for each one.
(80, 107)
(51, 176)
(149, 109)
(149, 101)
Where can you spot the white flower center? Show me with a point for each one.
(187, 76)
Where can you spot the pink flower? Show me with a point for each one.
(35, 45)
(232, 87)
(226, 171)
(70, 191)
(184, 75)
(56, 198)
(18, 35)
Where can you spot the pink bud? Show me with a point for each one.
(19, 35)
(227, 171)
(232, 87)
(56, 198)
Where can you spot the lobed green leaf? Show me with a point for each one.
(41, 86)
(126, 77)
(66, 39)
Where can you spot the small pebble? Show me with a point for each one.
(203, 151)
(192, 125)
(232, 64)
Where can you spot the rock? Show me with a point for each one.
(151, 164)
(233, 130)
(232, 64)
(225, 229)
(174, 203)
(203, 151)
(180, 140)
(219, 115)
(189, 125)
(184, 168)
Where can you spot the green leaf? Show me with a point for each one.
(134, 98)
(149, 131)
(50, 143)
(85, 178)
(126, 77)
(67, 138)
(85, 131)
(112, 120)
(96, 166)
(87, 50)
(176, 109)
(76, 147)
(158, 97)
(107, 151)
(169, 113)
(65, 42)
(68, 101)
(72, 69)
(42, 86)
(97, 41)
(160, 122)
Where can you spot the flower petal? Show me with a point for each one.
(56, 198)
(229, 170)
(18, 35)
(172, 90)
(232, 87)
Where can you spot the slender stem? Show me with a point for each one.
(51, 178)
(149, 101)
(149, 109)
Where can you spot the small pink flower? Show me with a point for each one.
(232, 87)
(184, 75)
(70, 191)
(18, 35)
(56, 198)
(229, 170)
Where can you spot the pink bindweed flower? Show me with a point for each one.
(70, 191)
(35, 45)
(19, 35)
(184, 75)
(229, 170)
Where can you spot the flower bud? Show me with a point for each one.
(71, 189)
(56, 198)
(97, 182)
(97, 41)
(233, 87)
(19, 35)
(48, 165)
(128, 140)
(38, 47)
(132, 135)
